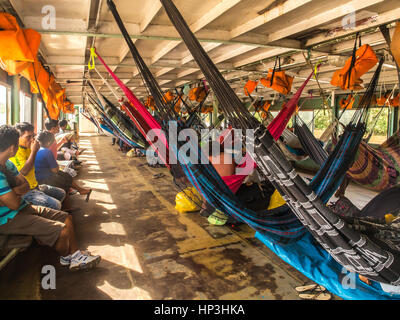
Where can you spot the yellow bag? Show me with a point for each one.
(186, 200)
(276, 201)
(131, 153)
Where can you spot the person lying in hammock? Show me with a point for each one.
(48, 171)
(225, 166)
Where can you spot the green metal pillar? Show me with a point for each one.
(34, 118)
(335, 109)
(393, 120)
(15, 103)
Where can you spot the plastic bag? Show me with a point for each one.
(188, 200)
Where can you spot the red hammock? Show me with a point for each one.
(280, 122)
(140, 115)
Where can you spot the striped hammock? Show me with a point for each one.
(377, 168)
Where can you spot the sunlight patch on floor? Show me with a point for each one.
(119, 253)
(113, 228)
(133, 293)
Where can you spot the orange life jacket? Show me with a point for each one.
(280, 81)
(250, 86)
(266, 106)
(263, 115)
(347, 103)
(383, 100)
(362, 60)
(207, 109)
(150, 104)
(168, 97)
(197, 94)
(395, 102)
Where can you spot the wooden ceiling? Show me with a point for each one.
(242, 37)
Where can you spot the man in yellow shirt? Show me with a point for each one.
(24, 160)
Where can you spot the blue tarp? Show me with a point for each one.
(316, 264)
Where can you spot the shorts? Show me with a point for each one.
(45, 196)
(60, 180)
(43, 224)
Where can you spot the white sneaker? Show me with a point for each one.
(66, 261)
(81, 261)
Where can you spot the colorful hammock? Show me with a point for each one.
(377, 168)
(114, 119)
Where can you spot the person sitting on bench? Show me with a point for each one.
(48, 227)
(48, 171)
(69, 148)
(24, 160)
(54, 127)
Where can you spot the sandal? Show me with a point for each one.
(217, 218)
(322, 296)
(88, 195)
(311, 287)
(72, 210)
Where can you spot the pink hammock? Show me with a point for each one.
(140, 115)
(280, 122)
(235, 181)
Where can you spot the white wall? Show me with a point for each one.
(85, 126)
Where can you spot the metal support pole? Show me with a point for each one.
(15, 103)
(34, 113)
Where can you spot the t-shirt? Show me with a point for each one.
(44, 162)
(19, 161)
(5, 212)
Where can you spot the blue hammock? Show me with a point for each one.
(317, 265)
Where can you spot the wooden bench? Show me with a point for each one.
(10, 246)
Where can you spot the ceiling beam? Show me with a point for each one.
(381, 19)
(151, 9)
(210, 35)
(268, 16)
(206, 19)
(325, 17)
